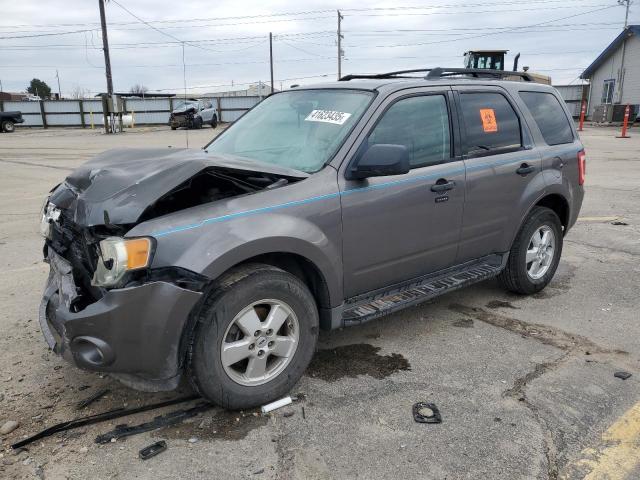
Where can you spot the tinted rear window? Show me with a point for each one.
(549, 116)
(491, 123)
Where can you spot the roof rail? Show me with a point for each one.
(439, 72)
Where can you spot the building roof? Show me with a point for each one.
(626, 33)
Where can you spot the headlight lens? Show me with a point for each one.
(118, 256)
(50, 213)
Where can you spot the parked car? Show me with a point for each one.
(193, 114)
(322, 207)
(8, 121)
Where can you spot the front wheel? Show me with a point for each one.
(214, 121)
(255, 337)
(8, 126)
(535, 253)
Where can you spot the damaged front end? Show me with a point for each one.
(105, 306)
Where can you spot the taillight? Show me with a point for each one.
(582, 167)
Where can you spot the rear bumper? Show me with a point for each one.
(131, 331)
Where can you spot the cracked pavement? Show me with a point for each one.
(525, 385)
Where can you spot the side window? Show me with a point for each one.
(491, 123)
(419, 123)
(549, 116)
(607, 90)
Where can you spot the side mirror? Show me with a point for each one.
(380, 160)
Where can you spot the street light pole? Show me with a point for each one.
(624, 48)
(271, 58)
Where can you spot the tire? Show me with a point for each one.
(8, 126)
(214, 121)
(173, 127)
(197, 122)
(520, 276)
(245, 290)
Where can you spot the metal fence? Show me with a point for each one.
(148, 111)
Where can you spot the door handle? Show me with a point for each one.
(525, 169)
(442, 185)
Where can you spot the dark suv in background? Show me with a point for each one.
(323, 207)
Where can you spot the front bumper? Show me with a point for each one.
(131, 331)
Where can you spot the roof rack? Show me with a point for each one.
(439, 72)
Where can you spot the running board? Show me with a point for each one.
(363, 309)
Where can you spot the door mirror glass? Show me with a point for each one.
(379, 160)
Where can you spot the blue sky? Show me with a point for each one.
(227, 42)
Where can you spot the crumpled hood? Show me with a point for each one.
(124, 182)
(184, 108)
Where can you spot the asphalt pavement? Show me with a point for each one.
(525, 385)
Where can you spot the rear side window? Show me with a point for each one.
(419, 123)
(549, 116)
(492, 126)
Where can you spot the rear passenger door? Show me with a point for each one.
(558, 145)
(501, 166)
(399, 227)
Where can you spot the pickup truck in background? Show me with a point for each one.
(8, 121)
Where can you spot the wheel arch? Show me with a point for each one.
(296, 264)
(559, 205)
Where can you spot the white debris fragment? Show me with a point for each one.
(277, 404)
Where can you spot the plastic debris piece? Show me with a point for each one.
(152, 450)
(426, 413)
(277, 404)
(622, 375)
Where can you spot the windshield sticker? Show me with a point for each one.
(327, 116)
(489, 123)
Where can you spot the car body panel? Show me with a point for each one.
(362, 236)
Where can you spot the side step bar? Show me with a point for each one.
(363, 309)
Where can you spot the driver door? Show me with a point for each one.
(396, 228)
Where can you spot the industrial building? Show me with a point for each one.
(614, 78)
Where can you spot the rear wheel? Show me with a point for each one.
(535, 254)
(8, 126)
(255, 336)
(214, 121)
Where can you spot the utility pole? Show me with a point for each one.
(59, 92)
(107, 65)
(340, 37)
(624, 48)
(271, 58)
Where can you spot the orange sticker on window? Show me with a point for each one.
(489, 123)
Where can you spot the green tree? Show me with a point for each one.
(40, 88)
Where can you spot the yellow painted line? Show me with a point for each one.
(598, 219)
(618, 454)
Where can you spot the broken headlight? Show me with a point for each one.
(50, 214)
(118, 256)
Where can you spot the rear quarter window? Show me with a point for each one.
(549, 116)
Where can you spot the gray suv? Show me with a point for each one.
(322, 207)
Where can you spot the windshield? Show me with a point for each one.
(187, 103)
(295, 129)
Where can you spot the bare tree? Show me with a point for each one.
(138, 89)
(79, 93)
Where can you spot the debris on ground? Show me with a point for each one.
(269, 407)
(100, 417)
(9, 426)
(92, 398)
(259, 471)
(152, 450)
(171, 418)
(193, 440)
(287, 414)
(619, 223)
(426, 413)
(622, 375)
